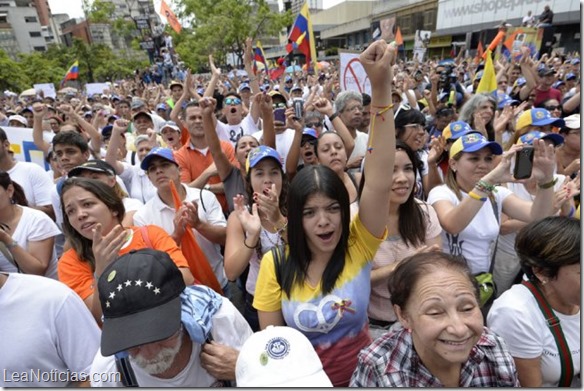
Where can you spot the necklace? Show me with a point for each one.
(264, 232)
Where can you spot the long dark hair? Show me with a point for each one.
(18, 197)
(309, 181)
(80, 244)
(412, 219)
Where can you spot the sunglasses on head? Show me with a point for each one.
(232, 101)
(402, 107)
(313, 124)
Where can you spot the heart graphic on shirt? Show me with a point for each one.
(323, 317)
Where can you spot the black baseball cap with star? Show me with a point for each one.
(140, 299)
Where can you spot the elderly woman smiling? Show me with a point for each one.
(442, 341)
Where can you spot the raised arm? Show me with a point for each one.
(221, 161)
(294, 152)
(185, 97)
(116, 141)
(264, 103)
(39, 111)
(324, 106)
(215, 74)
(377, 61)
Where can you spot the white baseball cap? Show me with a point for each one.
(279, 356)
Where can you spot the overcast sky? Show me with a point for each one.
(73, 7)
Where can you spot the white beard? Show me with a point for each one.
(161, 362)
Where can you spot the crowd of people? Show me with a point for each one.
(225, 230)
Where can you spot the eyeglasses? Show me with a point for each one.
(232, 101)
(280, 105)
(354, 108)
(552, 108)
(311, 141)
(313, 125)
(402, 107)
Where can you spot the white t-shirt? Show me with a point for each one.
(229, 328)
(157, 212)
(517, 318)
(475, 240)
(45, 328)
(141, 188)
(35, 182)
(360, 149)
(131, 204)
(283, 143)
(232, 133)
(33, 226)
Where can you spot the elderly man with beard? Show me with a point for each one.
(158, 333)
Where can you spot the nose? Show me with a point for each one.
(456, 327)
(147, 351)
(399, 176)
(322, 218)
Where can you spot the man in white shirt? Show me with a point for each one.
(200, 210)
(159, 333)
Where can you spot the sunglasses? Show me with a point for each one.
(280, 105)
(552, 108)
(232, 101)
(310, 141)
(402, 107)
(313, 125)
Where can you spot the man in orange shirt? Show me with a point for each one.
(197, 168)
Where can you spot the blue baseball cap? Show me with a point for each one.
(161, 106)
(244, 86)
(575, 61)
(571, 76)
(260, 153)
(537, 117)
(521, 81)
(310, 133)
(164, 153)
(200, 91)
(473, 142)
(504, 99)
(558, 83)
(530, 137)
(455, 130)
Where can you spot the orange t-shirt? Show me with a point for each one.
(77, 274)
(192, 163)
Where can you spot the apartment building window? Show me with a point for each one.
(39, 48)
(34, 34)
(30, 19)
(430, 19)
(405, 24)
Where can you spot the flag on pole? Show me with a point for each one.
(302, 37)
(488, 82)
(259, 56)
(170, 17)
(279, 69)
(72, 73)
(398, 37)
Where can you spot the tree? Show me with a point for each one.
(11, 76)
(221, 27)
(99, 11)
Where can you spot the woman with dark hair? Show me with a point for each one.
(27, 235)
(412, 227)
(92, 222)
(410, 128)
(549, 253)
(258, 224)
(320, 283)
(440, 340)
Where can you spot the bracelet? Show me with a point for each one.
(332, 117)
(245, 244)
(549, 184)
(372, 128)
(485, 187)
(11, 245)
(475, 196)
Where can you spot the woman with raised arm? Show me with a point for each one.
(320, 283)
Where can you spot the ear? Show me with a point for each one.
(452, 163)
(402, 316)
(540, 276)
(87, 154)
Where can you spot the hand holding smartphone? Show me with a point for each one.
(523, 162)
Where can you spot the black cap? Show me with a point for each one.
(93, 165)
(140, 300)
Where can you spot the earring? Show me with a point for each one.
(12, 201)
(543, 282)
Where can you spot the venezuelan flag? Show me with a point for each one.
(488, 82)
(259, 56)
(72, 73)
(302, 37)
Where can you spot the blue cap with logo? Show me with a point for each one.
(537, 117)
(310, 133)
(455, 130)
(473, 142)
(164, 153)
(260, 153)
(530, 137)
(504, 99)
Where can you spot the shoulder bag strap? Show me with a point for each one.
(496, 211)
(145, 237)
(555, 327)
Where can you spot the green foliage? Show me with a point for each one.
(11, 76)
(220, 27)
(99, 11)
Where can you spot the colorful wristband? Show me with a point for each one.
(475, 196)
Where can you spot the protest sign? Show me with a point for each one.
(353, 76)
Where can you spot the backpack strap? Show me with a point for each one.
(145, 237)
(496, 211)
(567, 372)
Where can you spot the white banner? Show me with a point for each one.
(23, 147)
(48, 89)
(96, 88)
(353, 76)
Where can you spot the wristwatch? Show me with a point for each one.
(207, 187)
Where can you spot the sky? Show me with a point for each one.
(73, 7)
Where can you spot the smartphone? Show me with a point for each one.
(298, 109)
(280, 115)
(523, 163)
